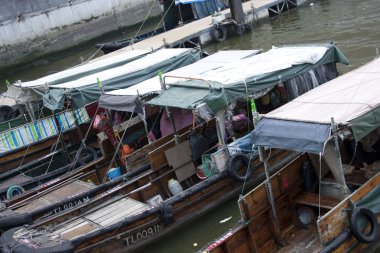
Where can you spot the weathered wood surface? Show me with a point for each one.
(255, 201)
(71, 189)
(314, 199)
(335, 221)
(13, 159)
(104, 216)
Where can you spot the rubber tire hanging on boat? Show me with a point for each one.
(356, 230)
(13, 219)
(11, 191)
(234, 164)
(89, 151)
(218, 33)
(7, 245)
(167, 214)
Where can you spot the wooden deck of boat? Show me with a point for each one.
(195, 28)
(302, 240)
(71, 189)
(19, 179)
(110, 212)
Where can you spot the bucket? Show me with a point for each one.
(174, 187)
(113, 173)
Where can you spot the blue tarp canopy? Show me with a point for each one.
(298, 136)
(203, 8)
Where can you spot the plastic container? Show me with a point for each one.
(174, 187)
(113, 173)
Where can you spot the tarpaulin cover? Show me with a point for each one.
(121, 103)
(248, 76)
(291, 135)
(213, 61)
(206, 8)
(352, 99)
(125, 99)
(94, 66)
(86, 90)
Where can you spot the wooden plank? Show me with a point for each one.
(80, 230)
(119, 210)
(71, 189)
(313, 199)
(19, 179)
(336, 220)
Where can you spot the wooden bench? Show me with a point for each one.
(313, 199)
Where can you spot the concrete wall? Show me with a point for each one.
(30, 28)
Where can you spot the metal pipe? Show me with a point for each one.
(189, 78)
(338, 156)
(268, 185)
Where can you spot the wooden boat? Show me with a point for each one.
(151, 206)
(336, 210)
(48, 128)
(135, 164)
(17, 145)
(84, 90)
(109, 47)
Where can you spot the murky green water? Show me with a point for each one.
(352, 24)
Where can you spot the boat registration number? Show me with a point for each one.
(141, 235)
(70, 205)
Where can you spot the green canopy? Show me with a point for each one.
(86, 90)
(252, 76)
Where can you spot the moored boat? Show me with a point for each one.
(327, 199)
(41, 201)
(73, 126)
(173, 192)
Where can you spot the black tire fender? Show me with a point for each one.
(87, 150)
(14, 190)
(356, 230)
(234, 164)
(167, 214)
(218, 33)
(12, 219)
(8, 245)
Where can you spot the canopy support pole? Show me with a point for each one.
(219, 131)
(338, 156)
(170, 116)
(268, 185)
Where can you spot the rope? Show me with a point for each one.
(163, 17)
(55, 149)
(92, 56)
(319, 190)
(83, 143)
(245, 179)
(353, 157)
(146, 17)
(118, 147)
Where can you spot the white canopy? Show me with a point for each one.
(278, 58)
(85, 69)
(344, 98)
(208, 63)
(137, 65)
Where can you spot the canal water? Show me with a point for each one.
(352, 24)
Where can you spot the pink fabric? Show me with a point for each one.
(181, 117)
